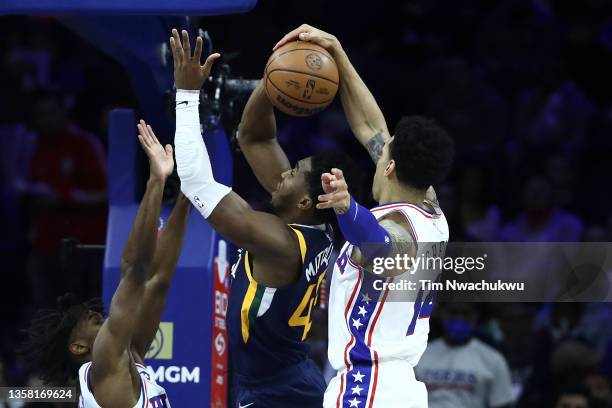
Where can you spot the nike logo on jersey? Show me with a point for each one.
(244, 406)
(180, 103)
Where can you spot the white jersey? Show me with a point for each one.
(152, 395)
(376, 337)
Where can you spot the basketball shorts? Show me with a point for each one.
(390, 384)
(299, 386)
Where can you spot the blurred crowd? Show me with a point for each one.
(523, 86)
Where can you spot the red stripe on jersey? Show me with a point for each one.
(351, 341)
(353, 264)
(145, 402)
(376, 316)
(382, 303)
(375, 382)
(419, 209)
(346, 349)
(416, 207)
(350, 302)
(341, 391)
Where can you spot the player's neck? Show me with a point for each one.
(395, 192)
(296, 217)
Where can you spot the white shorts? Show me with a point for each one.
(392, 384)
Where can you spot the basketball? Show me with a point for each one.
(301, 78)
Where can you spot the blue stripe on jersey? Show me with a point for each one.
(359, 377)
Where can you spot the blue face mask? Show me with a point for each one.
(458, 331)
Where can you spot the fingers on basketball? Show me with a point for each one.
(301, 78)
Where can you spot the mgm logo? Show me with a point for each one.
(161, 347)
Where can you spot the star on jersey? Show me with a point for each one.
(356, 390)
(366, 298)
(357, 323)
(358, 377)
(354, 402)
(362, 311)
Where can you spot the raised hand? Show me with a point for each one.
(336, 192)
(161, 161)
(188, 73)
(312, 34)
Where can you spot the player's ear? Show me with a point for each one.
(79, 347)
(390, 169)
(305, 203)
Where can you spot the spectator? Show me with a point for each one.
(542, 220)
(461, 371)
(511, 330)
(600, 390)
(573, 397)
(479, 216)
(67, 193)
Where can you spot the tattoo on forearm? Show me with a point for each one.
(375, 146)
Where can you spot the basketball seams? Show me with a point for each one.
(295, 71)
(302, 71)
(275, 57)
(268, 80)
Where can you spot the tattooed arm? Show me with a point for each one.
(402, 243)
(362, 112)
(372, 239)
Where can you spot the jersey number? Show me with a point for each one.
(422, 308)
(301, 315)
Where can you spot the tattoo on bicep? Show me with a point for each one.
(402, 241)
(375, 146)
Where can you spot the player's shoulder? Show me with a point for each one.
(313, 232)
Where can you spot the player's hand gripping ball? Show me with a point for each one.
(301, 78)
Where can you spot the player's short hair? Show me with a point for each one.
(423, 152)
(45, 348)
(323, 162)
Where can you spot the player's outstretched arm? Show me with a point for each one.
(257, 139)
(362, 112)
(370, 237)
(110, 351)
(167, 252)
(261, 233)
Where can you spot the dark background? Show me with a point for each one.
(523, 87)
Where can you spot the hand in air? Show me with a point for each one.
(161, 161)
(336, 192)
(188, 73)
(312, 34)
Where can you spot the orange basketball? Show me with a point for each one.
(301, 78)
